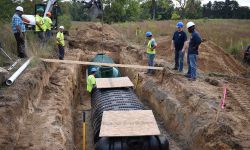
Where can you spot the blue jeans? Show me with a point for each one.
(189, 68)
(150, 61)
(181, 58)
(61, 52)
(192, 58)
(48, 34)
(176, 58)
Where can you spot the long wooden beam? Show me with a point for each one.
(100, 64)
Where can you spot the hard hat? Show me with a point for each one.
(179, 25)
(61, 27)
(148, 34)
(40, 10)
(48, 14)
(93, 70)
(190, 24)
(19, 8)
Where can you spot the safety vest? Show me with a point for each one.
(60, 36)
(48, 23)
(149, 47)
(39, 20)
(90, 82)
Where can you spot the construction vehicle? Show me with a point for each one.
(247, 55)
(95, 10)
(51, 6)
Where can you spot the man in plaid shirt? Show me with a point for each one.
(19, 30)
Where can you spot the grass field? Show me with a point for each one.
(232, 35)
(33, 46)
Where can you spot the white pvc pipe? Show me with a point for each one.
(18, 72)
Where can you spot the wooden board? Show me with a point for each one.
(113, 82)
(128, 123)
(100, 64)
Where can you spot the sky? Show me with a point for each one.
(241, 2)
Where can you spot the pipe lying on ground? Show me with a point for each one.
(18, 72)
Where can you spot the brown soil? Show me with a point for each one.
(43, 109)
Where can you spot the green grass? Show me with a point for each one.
(33, 47)
(231, 34)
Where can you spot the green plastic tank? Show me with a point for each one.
(104, 71)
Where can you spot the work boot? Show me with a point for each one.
(187, 76)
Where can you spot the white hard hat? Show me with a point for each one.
(19, 8)
(190, 24)
(61, 27)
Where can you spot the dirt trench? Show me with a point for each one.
(43, 109)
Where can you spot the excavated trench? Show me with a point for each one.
(83, 104)
(43, 109)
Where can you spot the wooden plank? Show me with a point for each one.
(128, 123)
(100, 64)
(113, 82)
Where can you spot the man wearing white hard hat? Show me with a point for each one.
(193, 51)
(60, 42)
(19, 30)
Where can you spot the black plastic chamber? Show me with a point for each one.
(120, 99)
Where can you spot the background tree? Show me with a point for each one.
(165, 9)
(182, 5)
(193, 9)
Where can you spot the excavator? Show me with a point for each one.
(95, 10)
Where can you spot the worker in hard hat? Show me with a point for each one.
(91, 81)
(48, 24)
(193, 51)
(60, 42)
(19, 30)
(179, 42)
(40, 27)
(151, 50)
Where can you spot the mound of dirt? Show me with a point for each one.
(92, 37)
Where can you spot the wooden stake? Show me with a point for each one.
(83, 131)
(137, 81)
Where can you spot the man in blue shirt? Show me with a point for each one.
(194, 43)
(19, 30)
(179, 44)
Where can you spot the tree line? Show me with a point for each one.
(137, 10)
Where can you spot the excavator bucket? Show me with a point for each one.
(95, 12)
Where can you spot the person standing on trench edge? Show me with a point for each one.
(91, 81)
(194, 43)
(179, 42)
(151, 51)
(60, 42)
(19, 30)
(40, 27)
